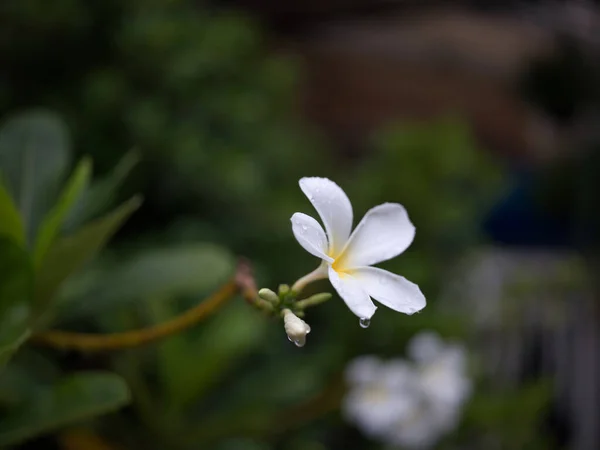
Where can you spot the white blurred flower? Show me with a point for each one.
(442, 368)
(383, 233)
(410, 404)
(379, 394)
(295, 327)
(423, 427)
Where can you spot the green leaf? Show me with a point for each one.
(229, 336)
(10, 219)
(21, 379)
(53, 221)
(34, 154)
(100, 195)
(7, 350)
(158, 273)
(70, 253)
(73, 399)
(16, 288)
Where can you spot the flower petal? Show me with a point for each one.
(310, 235)
(425, 347)
(445, 385)
(333, 207)
(398, 374)
(363, 370)
(382, 234)
(392, 290)
(349, 288)
(375, 411)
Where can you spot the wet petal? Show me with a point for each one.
(391, 290)
(310, 235)
(333, 207)
(382, 234)
(349, 288)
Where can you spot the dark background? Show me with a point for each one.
(480, 117)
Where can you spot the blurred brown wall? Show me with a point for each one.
(361, 75)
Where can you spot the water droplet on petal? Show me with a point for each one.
(299, 343)
(290, 339)
(304, 227)
(364, 322)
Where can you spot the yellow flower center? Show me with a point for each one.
(377, 394)
(339, 265)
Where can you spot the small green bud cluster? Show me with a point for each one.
(286, 298)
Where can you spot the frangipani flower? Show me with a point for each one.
(380, 394)
(383, 233)
(409, 403)
(442, 368)
(441, 387)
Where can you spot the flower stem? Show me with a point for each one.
(318, 274)
(242, 283)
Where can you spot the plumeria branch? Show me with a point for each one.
(242, 283)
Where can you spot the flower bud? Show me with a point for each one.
(313, 300)
(268, 295)
(284, 289)
(295, 327)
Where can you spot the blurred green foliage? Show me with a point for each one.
(192, 87)
(512, 418)
(36, 258)
(211, 115)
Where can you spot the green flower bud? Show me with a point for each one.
(313, 300)
(284, 289)
(268, 295)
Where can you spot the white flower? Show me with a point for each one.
(380, 394)
(383, 233)
(295, 327)
(424, 426)
(409, 404)
(442, 368)
(442, 386)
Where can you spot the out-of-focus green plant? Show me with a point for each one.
(132, 287)
(36, 200)
(194, 90)
(53, 225)
(36, 257)
(509, 418)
